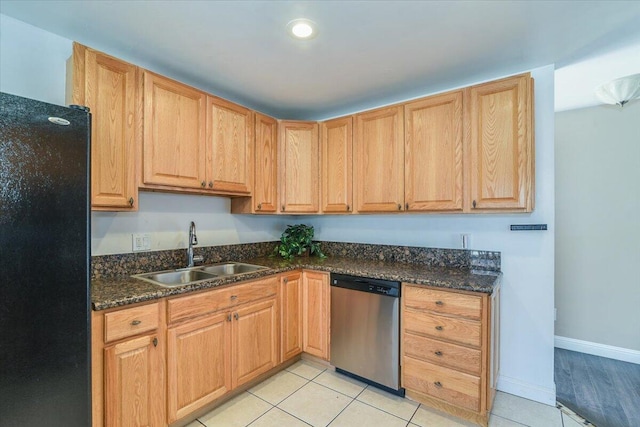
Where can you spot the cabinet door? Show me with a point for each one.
(110, 90)
(254, 340)
(337, 164)
(433, 153)
(315, 298)
(501, 145)
(174, 133)
(299, 167)
(291, 303)
(198, 363)
(229, 146)
(265, 191)
(133, 383)
(379, 160)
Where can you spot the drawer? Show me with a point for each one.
(442, 353)
(446, 302)
(130, 321)
(454, 329)
(220, 299)
(443, 383)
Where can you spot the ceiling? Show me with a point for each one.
(366, 54)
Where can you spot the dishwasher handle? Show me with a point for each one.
(363, 284)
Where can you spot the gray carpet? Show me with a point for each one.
(604, 391)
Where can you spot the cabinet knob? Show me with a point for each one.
(285, 280)
(474, 204)
(348, 208)
(210, 184)
(130, 201)
(259, 206)
(135, 322)
(203, 184)
(282, 208)
(406, 206)
(438, 384)
(439, 328)
(155, 342)
(229, 317)
(399, 207)
(438, 353)
(236, 316)
(234, 297)
(439, 303)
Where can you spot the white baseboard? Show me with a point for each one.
(527, 390)
(602, 350)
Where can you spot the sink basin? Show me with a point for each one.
(186, 276)
(231, 268)
(176, 277)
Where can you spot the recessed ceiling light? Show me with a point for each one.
(302, 29)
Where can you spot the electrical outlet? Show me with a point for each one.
(141, 242)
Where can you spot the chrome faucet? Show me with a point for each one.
(193, 240)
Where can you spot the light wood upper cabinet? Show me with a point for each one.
(229, 146)
(109, 87)
(315, 307)
(291, 307)
(379, 160)
(198, 363)
(433, 153)
(174, 145)
(501, 149)
(337, 165)
(298, 165)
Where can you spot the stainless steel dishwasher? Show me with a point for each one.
(365, 330)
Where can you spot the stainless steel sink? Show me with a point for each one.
(186, 276)
(174, 278)
(231, 268)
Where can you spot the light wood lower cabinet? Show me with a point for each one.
(316, 313)
(291, 306)
(127, 359)
(198, 363)
(449, 350)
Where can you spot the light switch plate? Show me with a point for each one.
(141, 242)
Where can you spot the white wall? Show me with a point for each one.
(598, 222)
(527, 258)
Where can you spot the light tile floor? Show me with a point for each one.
(307, 394)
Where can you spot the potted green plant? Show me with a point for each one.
(297, 240)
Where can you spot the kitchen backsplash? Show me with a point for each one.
(140, 262)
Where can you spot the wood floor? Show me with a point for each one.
(604, 391)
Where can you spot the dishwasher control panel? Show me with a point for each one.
(365, 284)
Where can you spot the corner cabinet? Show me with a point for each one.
(336, 154)
(229, 146)
(379, 160)
(110, 88)
(433, 153)
(501, 148)
(174, 145)
(265, 174)
(298, 166)
(449, 347)
(291, 315)
(316, 300)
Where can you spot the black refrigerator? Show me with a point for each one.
(44, 265)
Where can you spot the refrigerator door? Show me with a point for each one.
(44, 265)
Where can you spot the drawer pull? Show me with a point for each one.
(237, 316)
(439, 303)
(234, 297)
(439, 328)
(438, 353)
(438, 384)
(136, 322)
(229, 317)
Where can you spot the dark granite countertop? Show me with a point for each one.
(119, 291)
